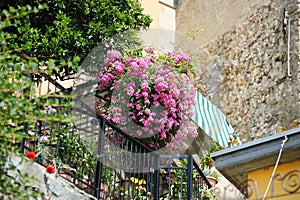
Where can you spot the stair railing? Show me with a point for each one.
(113, 171)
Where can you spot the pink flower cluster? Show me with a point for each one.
(159, 98)
(180, 57)
(113, 69)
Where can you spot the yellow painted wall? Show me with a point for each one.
(163, 16)
(152, 8)
(262, 177)
(161, 34)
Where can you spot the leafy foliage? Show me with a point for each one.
(68, 28)
(74, 151)
(51, 34)
(18, 105)
(206, 160)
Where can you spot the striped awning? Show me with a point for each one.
(212, 120)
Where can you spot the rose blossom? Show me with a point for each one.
(31, 155)
(50, 169)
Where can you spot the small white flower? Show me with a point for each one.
(50, 110)
(43, 139)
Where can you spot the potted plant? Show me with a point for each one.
(148, 96)
(63, 143)
(206, 160)
(212, 175)
(138, 189)
(208, 194)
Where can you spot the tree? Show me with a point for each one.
(56, 36)
(69, 28)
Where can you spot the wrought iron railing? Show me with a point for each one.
(98, 157)
(180, 179)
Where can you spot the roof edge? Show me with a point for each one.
(260, 141)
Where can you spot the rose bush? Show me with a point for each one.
(149, 97)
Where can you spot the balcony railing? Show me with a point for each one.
(100, 158)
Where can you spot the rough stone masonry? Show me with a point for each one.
(249, 80)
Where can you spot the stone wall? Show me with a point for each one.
(213, 16)
(248, 78)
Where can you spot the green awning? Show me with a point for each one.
(212, 120)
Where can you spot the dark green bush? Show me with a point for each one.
(68, 28)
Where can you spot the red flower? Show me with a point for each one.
(31, 155)
(50, 169)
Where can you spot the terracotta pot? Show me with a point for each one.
(213, 181)
(68, 175)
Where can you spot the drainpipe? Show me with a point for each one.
(287, 20)
(287, 25)
(288, 45)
